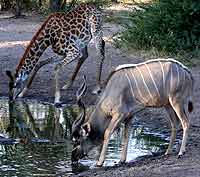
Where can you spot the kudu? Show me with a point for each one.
(130, 88)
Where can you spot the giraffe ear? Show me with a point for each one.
(9, 74)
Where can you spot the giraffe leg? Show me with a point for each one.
(173, 122)
(78, 66)
(125, 140)
(74, 54)
(178, 107)
(100, 47)
(113, 124)
(39, 65)
(57, 88)
(101, 51)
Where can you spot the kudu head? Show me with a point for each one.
(16, 84)
(80, 129)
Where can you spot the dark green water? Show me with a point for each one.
(35, 140)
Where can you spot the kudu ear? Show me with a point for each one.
(85, 129)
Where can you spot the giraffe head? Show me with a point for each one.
(17, 83)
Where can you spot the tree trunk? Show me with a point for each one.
(40, 3)
(18, 8)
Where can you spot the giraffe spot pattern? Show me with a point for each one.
(64, 32)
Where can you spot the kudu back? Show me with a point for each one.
(130, 88)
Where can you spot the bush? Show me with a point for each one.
(172, 26)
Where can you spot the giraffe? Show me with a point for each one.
(69, 35)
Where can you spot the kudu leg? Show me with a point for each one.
(178, 107)
(113, 124)
(173, 122)
(125, 140)
(78, 66)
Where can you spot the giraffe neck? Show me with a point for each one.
(35, 49)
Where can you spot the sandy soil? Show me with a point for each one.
(15, 35)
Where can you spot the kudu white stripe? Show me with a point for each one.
(144, 100)
(145, 83)
(177, 69)
(155, 85)
(171, 78)
(130, 85)
(163, 75)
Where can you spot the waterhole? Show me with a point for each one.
(35, 140)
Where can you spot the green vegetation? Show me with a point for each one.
(168, 26)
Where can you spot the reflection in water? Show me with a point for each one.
(35, 139)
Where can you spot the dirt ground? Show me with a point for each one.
(14, 37)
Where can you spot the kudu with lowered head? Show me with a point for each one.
(130, 88)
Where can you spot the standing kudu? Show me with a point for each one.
(130, 88)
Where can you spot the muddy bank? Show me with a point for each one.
(15, 35)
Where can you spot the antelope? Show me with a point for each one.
(129, 89)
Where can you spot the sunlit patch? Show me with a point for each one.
(7, 44)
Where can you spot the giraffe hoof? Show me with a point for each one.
(58, 105)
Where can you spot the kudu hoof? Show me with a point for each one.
(99, 164)
(121, 162)
(96, 91)
(168, 153)
(180, 155)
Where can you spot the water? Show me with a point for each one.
(35, 140)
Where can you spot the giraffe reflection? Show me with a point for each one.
(37, 122)
(35, 137)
